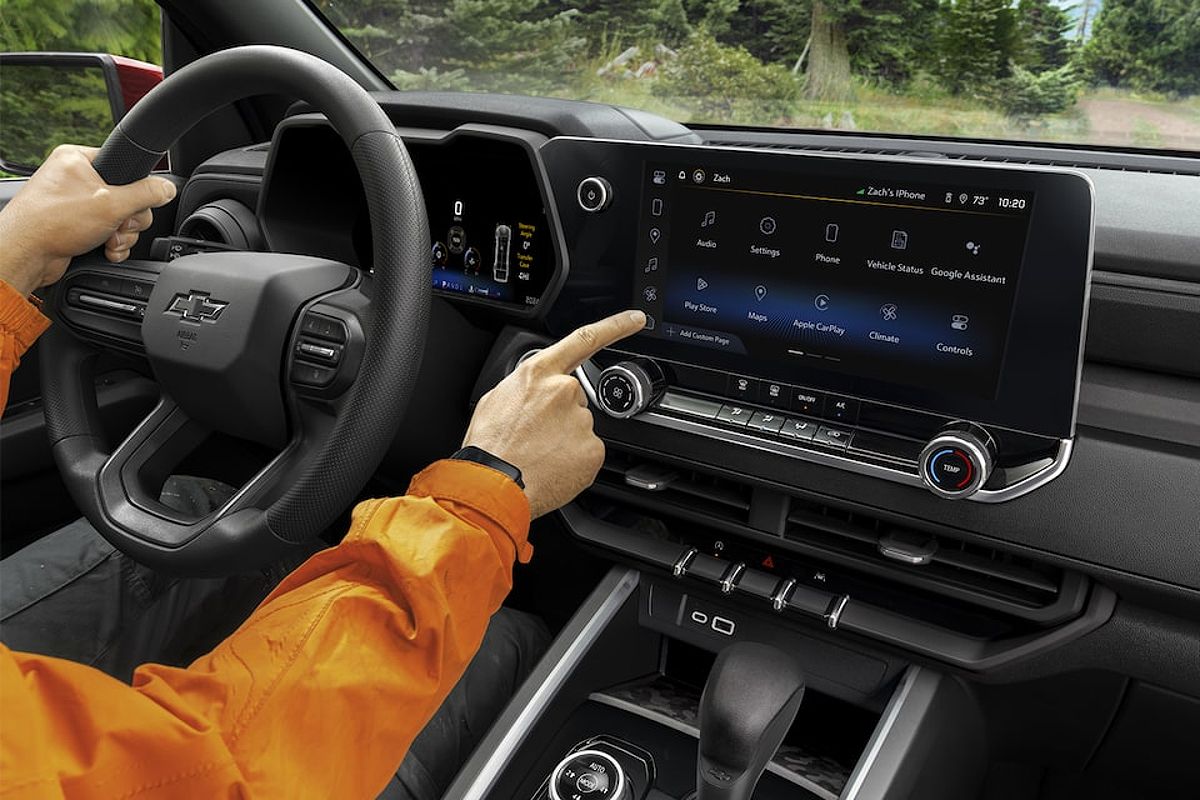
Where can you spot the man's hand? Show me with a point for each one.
(65, 210)
(537, 418)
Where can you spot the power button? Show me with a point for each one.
(594, 194)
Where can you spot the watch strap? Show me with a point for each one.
(480, 456)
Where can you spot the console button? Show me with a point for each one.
(841, 409)
(689, 406)
(832, 437)
(758, 584)
(617, 394)
(742, 388)
(708, 568)
(878, 444)
(766, 421)
(594, 194)
(734, 415)
(776, 395)
(807, 402)
(700, 379)
(802, 429)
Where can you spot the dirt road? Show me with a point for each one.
(1135, 123)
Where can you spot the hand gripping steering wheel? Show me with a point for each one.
(311, 357)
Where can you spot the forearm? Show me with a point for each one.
(20, 325)
(321, 691)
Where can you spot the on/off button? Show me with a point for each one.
(594, 194)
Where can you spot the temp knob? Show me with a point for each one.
(589, 775)
(957, 462)
(630, 387)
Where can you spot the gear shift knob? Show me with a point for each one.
(749, 702)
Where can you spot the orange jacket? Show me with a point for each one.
(318, 694)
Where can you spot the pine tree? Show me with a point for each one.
(975, 42)
(1042, 28)
(1149, 45)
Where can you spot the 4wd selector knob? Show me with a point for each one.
(630, 387)
(589, 774)
(957, 462)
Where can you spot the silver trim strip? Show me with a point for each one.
(481, 787)
(890, 714)
(685, 561)
(730, 578)
(832, 617)
(690, 730)
(780, 599)
(555, 773)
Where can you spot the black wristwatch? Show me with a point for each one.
(481, 456)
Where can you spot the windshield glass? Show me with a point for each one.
(1099, 72)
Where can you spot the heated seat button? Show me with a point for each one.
(802, 429)
(766, 421)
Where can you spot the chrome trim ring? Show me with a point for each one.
(556, 772)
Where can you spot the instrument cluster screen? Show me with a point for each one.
(836, 271)
(488, 228)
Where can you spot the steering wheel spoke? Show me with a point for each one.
(105, 304)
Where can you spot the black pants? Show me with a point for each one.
(73, 595)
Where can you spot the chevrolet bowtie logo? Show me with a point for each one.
(196, 307)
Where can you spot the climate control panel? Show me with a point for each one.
(953, 459)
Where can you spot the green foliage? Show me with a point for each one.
(1148, 45)
(1026, 95)
(975, 42)
(773, 30)
(717, 77)
(121, 27)
(42, 107)
(1042, 29)
(432, 80)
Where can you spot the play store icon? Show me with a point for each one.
(701, 284)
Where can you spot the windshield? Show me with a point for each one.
(1120, 73)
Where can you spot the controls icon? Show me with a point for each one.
(655, 235)
(660, 176)
(888, 311)
(974, 248)
(767, 225)
(701, 284)
(821, 302)
(656, 207)
(959, 322)
(710, 218)
(831, 232)
(899, 240)
(650, 323)
(760, 292)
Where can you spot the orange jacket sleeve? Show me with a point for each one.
(319, 693)
(20, 324)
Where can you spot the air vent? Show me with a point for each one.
(1016, 154)
(863, 544)
(944, 564)
(687, 490)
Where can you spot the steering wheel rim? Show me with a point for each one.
(324, 474)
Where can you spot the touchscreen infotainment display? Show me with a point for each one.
(907, 283)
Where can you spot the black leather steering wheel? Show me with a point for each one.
(240, 343)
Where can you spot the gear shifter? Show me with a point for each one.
(749, 702)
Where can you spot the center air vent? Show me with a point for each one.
(924, 558)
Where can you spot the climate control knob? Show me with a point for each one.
(630, 387)
(957, 462)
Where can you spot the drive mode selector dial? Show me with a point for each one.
(589, 775)
(957, 462)
(630, 387)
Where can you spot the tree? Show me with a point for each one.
(975, 43)
(121, 27)
(828, 76)
(1148, 45)
(1042, 42)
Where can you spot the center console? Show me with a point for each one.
(912, 321)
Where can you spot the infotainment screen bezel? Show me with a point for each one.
(1037, 389)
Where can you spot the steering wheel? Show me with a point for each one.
(311, 357)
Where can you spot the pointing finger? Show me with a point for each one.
(580, 345)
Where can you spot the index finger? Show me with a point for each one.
(578, 346)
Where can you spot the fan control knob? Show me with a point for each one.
(627, 389)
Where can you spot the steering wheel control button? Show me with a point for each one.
(324, 327)
(832, 437)
(594, 194)
(312, 374)
(319, 351)
(800, 429)
(627, 389)
(957, 462)
(735, 415)
(589, 775)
